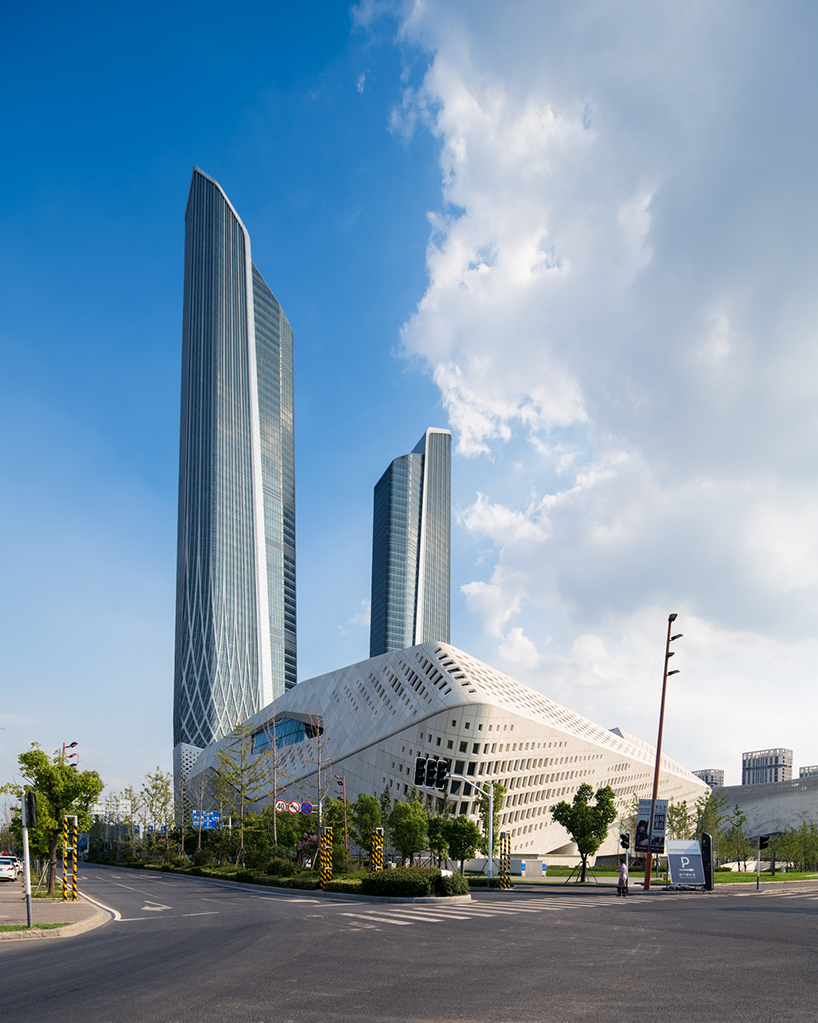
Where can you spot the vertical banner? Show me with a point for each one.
(657, 843)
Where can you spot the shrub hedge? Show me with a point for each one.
(413, 882)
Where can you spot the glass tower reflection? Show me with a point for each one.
(235, 590)
(411, 548)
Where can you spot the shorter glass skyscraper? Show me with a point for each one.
(411, 548)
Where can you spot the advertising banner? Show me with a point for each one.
(685, 862)
(657, 844)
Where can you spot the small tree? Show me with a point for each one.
(436, 837)
(62, 790)
(587, 825)
(239, 779)
(158, 806)
(680, 822)
(483, 808)
(365, 816)
(463, 838)
(407, 827)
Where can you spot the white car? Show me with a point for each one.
(8, 868)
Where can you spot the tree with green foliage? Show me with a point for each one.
(364, 817)
(483, 809)
(463, 838)
(62, 790)
(407, 828)
(736, 836)
(238, 780)
(386, 808)
(436, 836)
(587, 825)
(710, 816)
(680, 822)
(158, 810)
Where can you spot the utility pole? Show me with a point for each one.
(668, 654)
(29, 815)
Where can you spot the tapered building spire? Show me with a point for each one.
(235, 595)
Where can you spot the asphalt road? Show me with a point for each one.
(190, 951)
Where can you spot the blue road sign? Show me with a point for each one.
(306, 807)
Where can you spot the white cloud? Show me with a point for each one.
(358, 621)
(620, 317)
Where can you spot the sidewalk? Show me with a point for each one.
(80, 915)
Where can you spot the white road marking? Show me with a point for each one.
(380, 919)
(157, 908)
(108, 909)
(207, 912)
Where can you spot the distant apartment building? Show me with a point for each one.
(808, 772)
(766, 765)
(711, 776)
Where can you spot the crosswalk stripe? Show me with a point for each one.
(380, 919)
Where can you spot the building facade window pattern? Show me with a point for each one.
(377, 716)
(712, 776)
(235, 608)
(411, 548)
(766, 765)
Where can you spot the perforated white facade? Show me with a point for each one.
(433, 699)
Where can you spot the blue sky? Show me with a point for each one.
(583, 235)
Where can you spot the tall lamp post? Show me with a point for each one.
(668, 654)
(65, 746)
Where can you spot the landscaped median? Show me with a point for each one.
(401, 882)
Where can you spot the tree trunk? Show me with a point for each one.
(584, 864)
(52, 860)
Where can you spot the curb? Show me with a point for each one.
(58, 932)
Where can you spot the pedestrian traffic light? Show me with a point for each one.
(442, 774)
(431, 773)
(420, 771)
(763, 841)
(625, 841)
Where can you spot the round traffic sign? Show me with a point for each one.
(294, 807)
(280, 806)
(306, 807)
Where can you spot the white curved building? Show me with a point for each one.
(369, 721)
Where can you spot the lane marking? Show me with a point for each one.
(380, 919)
(109, 909)
(207, 912)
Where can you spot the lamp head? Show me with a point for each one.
(673, 617)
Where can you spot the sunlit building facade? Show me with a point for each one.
(369, 721)
(235, 597)
(411, 548)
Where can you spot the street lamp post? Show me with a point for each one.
(65, 746)
(668, 654)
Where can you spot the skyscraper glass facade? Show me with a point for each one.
(411, 548)
(235, 597)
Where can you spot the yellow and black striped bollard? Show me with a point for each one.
(325, 857)
(505, 860)
(74, 861)
(377, 848)
(65, 862)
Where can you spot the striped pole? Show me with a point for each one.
(74, 861)
(65, 859)
(325, 857)
(505, 860)
(377, 848)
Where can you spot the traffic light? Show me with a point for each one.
(763, 841)
(625, 841)
(442, 774)
(420, 771)
(431, 773)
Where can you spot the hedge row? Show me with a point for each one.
(411, 882)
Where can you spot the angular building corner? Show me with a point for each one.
(235, 589)
(411, 548)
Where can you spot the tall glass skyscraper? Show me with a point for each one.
(235, 583)
(411, 548)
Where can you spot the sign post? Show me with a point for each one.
(29, 815)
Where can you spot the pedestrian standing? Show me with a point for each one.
(622, 887)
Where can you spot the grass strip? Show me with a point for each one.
(37, 927)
